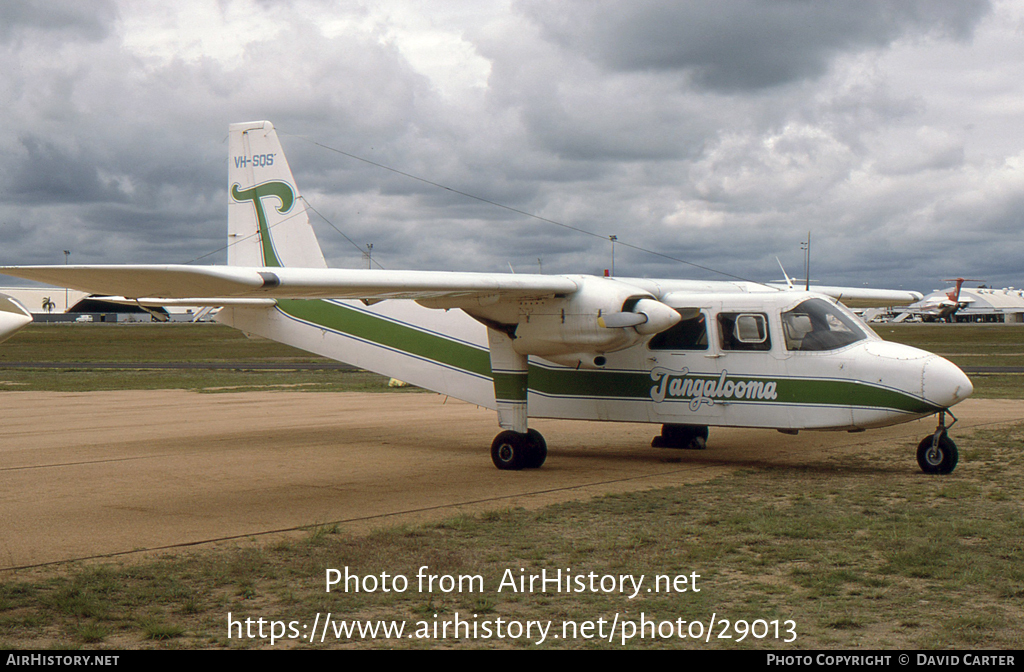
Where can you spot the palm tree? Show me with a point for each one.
(48, 305)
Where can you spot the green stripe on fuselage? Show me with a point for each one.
(848, 393)
(574, 383)
(338, 317)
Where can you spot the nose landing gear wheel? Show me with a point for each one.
(937, 455)
(514, 451)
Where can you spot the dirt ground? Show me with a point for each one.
(102, 473)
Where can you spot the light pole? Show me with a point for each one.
(613, 239)
(67, 253)
(806, 247)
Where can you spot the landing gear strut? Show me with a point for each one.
(937, 454)
(515, 450)
(686, 437)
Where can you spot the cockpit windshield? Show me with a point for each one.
(817, 325)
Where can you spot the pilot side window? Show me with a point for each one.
(744, 331)
(691, 333)
(817, 325)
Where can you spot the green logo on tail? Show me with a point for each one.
(280, 190)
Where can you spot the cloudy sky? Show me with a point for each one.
(718, 132)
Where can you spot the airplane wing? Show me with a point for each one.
(863, 297)
(226, 283)
(221, 285)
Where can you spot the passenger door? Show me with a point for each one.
(683, 364)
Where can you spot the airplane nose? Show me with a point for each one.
(943, 383)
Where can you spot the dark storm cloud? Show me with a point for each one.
(47, 173)
(747, 44)
(667, 124)
(90, 20)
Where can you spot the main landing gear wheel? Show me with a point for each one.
(514, 451)
(685, 437)
(937, 455)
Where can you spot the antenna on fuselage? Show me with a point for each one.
(789, 281)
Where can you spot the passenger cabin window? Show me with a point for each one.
(744, 331)
(690, 333)
(817, 325)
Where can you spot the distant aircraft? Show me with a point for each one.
(683, 354)
(13, 317)
(939, 308)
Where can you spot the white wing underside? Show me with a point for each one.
(223, 285)
(228, 283)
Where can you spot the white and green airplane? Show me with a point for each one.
(683, 354)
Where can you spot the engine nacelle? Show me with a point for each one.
(13, 317)
(659, 317)
(602, 316)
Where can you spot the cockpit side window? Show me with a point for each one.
(816, 325)
(744, 331)
(690, 333)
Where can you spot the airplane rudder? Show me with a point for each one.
(256, 155)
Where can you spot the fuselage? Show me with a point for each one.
(747, 357)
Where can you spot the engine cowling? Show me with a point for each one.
(602, 316)
(13, 317)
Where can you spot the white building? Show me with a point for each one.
(50, 303)
(44, 300)
(992, 305)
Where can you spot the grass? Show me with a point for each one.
(210, 381)
(963, 344)
(970, 345)
(165, 343)
(145, 342)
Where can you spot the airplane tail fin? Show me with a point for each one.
(268, 227)
(267, 220)
(954, 296)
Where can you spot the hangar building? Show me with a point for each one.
(992, 305)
